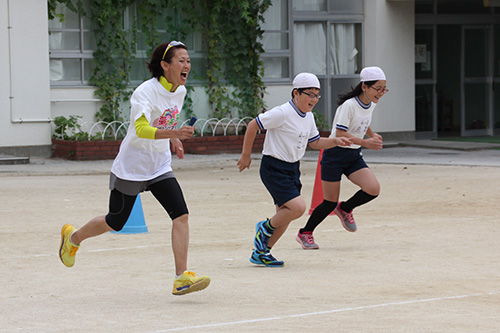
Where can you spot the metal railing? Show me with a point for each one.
(204, 127)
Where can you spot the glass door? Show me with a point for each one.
(496, 82)
(425, 79)
(476, 82)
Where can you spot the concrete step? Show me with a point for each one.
(6, 159)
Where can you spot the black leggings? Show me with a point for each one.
(167, 192)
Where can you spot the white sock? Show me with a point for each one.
(71, 242)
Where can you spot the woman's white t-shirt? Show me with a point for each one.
(354, 117)
(288, 132)
(145, 159)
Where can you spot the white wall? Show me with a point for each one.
(74, 101)
(24, 64)
(389, 43)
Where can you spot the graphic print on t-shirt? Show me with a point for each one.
(363, 124)
(302, 141)
(168, 120)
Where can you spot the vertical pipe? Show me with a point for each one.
(9, 47)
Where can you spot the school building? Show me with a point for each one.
(441, 58)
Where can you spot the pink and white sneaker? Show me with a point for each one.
(306, 239)
(346, 218)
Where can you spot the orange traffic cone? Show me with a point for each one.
(317, 196)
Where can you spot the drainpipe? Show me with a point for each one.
(11, 95)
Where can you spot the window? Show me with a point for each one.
(309, 5)
(326, 34)
(275, 41)
(331, 6)
(71, 45)
(328, 41)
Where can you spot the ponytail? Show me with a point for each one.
(356, 91)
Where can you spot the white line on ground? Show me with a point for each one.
(327, 312)
(96, 250)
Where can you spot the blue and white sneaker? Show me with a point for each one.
(262, 235)
(266, 259)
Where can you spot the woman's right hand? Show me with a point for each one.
(185, 132)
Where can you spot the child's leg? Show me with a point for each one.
(331, 192)
(370, 189)
(291, 210)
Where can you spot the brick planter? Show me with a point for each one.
(104, 150)
(85, 150)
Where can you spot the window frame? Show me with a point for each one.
(284, 53)
(81, 54)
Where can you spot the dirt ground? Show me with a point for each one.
(425, 258)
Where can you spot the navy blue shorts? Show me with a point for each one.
(282, 179)
(337, 161)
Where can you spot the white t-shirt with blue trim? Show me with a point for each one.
(354, 117)
(288, 132)
(145, 159)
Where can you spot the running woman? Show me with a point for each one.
(289, 127)
(144, 163)
(352, 120)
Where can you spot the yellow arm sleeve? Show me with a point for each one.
(143, 129)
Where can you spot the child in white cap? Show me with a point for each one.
(289, 127)
(352, 120)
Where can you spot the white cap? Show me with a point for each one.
(371, 74)
(305, 80)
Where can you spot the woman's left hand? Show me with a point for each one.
(176, 147)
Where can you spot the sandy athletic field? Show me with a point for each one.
(425, 258)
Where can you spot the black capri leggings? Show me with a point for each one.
(167, 192)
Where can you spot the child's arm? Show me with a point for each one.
(372, 134)
(373, 142)
(245, 158)
(325, 143)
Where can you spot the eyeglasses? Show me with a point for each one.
(380, 90)
(312, 96)
(171, 44)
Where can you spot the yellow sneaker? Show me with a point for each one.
(67, 251)
(189, 282)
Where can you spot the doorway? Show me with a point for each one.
(476, 81)
(449, 80)
(456, 77)
(425, 82)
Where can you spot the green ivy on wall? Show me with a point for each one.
(230, 33)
